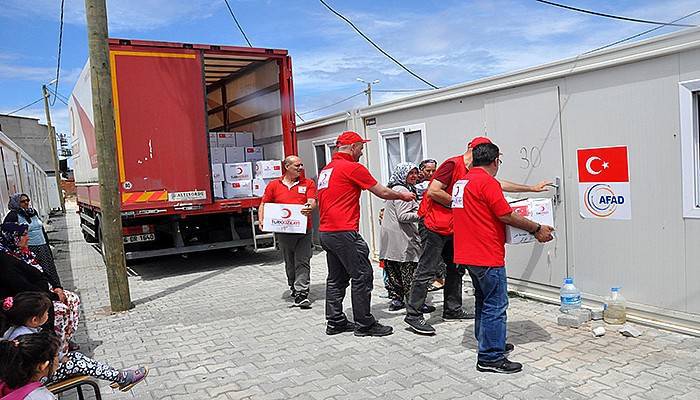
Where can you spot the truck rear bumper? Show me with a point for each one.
(135, 255)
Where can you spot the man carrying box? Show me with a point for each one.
(481, 213)
(292, 188)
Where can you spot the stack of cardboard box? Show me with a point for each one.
(233, 157)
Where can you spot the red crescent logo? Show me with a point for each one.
(286, 213)
(239, 170)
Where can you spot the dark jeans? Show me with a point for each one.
(434, 246)
(491, 295)
(347, 255)
(297, 251)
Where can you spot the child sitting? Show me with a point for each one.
(28, 311)
(24, 363)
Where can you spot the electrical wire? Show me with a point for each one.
(237, 24)
(375, 45)
(641, 34)
(27, 106)
(63, 99)
(334, 104)
(60, 45)
(400, 90)
(643, 21)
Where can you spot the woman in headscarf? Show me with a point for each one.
(399, 239)
(21, 272)
(21, 213)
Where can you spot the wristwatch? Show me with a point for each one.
(536, 230)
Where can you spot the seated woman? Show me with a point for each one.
(21, 273)
(28, 311)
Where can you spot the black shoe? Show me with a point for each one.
(302, 301)
(500, 367)
(457, 316)
(426, 309)
(396, 305)
(419, 326)
(293, 293)
(334, 330)
(375, 330)
(509, 348)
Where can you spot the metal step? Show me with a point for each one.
(264, 236)
(265, 249)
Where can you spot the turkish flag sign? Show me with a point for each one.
(603, 164)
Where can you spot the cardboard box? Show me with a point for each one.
(253, 153)
(217, 172)
(227, 139)
(259, 186)
(238, 189)
(238, 171)
(219, 190)
(235, 154)
(538, 210)
(284, 218)
(244, 139)
(218, 155)
(213, 139)
(268, 169)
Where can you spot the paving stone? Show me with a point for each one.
(218, 325)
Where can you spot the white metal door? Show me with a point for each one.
(525, 125)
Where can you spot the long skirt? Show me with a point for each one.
(45, 258)
(66, 318)
(399, 278)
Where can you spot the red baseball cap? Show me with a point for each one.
(477, 141)
(349, 137)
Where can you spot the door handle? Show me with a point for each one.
(557, 190)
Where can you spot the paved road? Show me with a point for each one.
(219, 326)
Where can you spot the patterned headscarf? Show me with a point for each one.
(400, 174)
(10, 235)
(14, 205)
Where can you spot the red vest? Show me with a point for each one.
(437, 217)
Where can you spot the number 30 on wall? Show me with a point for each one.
(530, 157)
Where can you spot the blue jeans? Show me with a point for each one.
(491, 295)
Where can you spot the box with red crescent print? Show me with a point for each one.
(284, 218)
(538, 210)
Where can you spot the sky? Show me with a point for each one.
(446, 42)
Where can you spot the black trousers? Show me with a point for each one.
(433, 246)
(347, 256)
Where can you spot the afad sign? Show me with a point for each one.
(604, 183)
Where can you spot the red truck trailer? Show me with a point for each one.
(167, 97)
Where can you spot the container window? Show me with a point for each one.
(404, 144)
(323, 151)
(689, 103)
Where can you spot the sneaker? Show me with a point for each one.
(419, 326)
(457, 316)
(301, 300)
(427, 309)
(396, 305)
(500, 367)
(334, 330)
(509, 348)
(131, 377)
(375, 330)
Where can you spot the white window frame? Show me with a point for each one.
(392, 133)
(326, 143)
(690, 150)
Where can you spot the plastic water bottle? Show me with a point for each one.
(615, 308)
(570, 296)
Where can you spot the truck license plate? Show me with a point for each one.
(146, 237)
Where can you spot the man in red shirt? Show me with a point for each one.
(480, 216)
(436, 230)
(340, 184)
(292, 188)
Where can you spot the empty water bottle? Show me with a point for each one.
(570, 296)
(615, 308)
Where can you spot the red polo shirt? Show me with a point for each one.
(299, 193)
(479, 236)
(339, 186)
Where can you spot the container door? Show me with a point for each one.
(525, 125)
(161, 127)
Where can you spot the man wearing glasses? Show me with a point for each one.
(436, 232)
(481, 213)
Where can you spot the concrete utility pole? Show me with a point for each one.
(369, 89)
(54, 149)
(111, 221)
